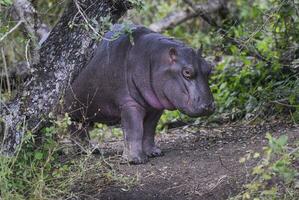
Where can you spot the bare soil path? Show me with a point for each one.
(199, 163)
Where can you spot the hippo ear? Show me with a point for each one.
(173, 54)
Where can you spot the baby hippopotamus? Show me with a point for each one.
(132, 77)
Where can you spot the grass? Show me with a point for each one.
(46, 171)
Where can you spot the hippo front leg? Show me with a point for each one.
(150, 123)
(132, 123)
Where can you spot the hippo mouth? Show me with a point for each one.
(198, 113)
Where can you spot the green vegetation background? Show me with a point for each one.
(244, 87)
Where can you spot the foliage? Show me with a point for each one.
(6, 2)
(36, 172)
(274, 177)
(102, 132)
(244, 85)
(42, 170)
(138, 4)
(251, 89)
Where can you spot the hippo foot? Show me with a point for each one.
(136, 159)
(154, 152)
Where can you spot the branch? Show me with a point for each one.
(178, 17)
(37, 31)
(11, 30)
(202, 10)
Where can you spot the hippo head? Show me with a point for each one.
(180, 81)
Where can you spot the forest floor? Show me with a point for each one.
(199, 163)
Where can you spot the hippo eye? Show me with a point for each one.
(187, 73)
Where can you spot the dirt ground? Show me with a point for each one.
(199, 163)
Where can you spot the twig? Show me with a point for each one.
(174, 187)
(175, 18)
(11, 30)
(81, 12)
(294, 121)
(220, 180)
(2, 103)
(26, 53)
(293, 151)
(284, 104)
(201, 10)
(6, 72)
(27, 13)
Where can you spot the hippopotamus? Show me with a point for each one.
(133, 76)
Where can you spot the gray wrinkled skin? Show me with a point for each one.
(133, 84)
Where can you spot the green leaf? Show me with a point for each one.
(38, 155)
(6, 2)
(282, 140)
(256, 155)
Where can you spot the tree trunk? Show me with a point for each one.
(62, 56)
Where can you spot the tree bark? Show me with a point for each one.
(62, 56)
(35, 29)
(25, 14)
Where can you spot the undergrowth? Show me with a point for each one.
(244, 87)
(276, 175)
(46, 169)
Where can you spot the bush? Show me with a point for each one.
(276, 174)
